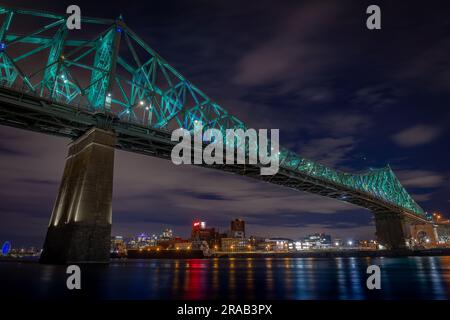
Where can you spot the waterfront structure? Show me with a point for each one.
(122, 101)
(337, 242)
(280, 244)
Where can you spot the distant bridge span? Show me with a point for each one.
(105, 88)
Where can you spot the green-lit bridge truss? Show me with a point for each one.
(62, 82)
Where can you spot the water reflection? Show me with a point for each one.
(233, 278)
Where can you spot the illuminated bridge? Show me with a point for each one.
(105, 88)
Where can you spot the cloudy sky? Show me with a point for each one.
(341, 94)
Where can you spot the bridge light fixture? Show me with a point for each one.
(147, 108)
(141, 103)
(109, 94)
(350, 242)
(2, 46)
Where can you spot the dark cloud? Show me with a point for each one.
(292, 46)
(416, 135)
(329, 151)
(420, 178)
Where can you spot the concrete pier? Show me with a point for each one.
(390, 230)
(396, 231)
(80, 227)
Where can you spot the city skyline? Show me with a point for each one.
(328, 110)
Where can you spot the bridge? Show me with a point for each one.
(105, 88)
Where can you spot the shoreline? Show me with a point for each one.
(263, 255)
(339, 254)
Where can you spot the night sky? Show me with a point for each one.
(340, 94)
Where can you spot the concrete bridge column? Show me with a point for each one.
(80, 226)
(391, 230)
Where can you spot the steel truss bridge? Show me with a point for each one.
(64, 82)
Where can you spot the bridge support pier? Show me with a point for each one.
(80, 226)
(391, 230)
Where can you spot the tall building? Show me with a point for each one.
(201, 233)
(237, 228)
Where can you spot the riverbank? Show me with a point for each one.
(337, 253)
(197, 254)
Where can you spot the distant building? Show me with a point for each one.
(338, 243)
(235, 244)
(237, 228)
(368, 244)
(167, 234)
(118, 245)
(279, 244)
(201, 233)
(317, 241)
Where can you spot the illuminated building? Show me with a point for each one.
(200, 233)
(368, 244)
(167, 234)
(337, 243)
(235, 244)
(280, 244)
(237, 228)
(317, 241)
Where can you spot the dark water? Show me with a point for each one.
(284, 278)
